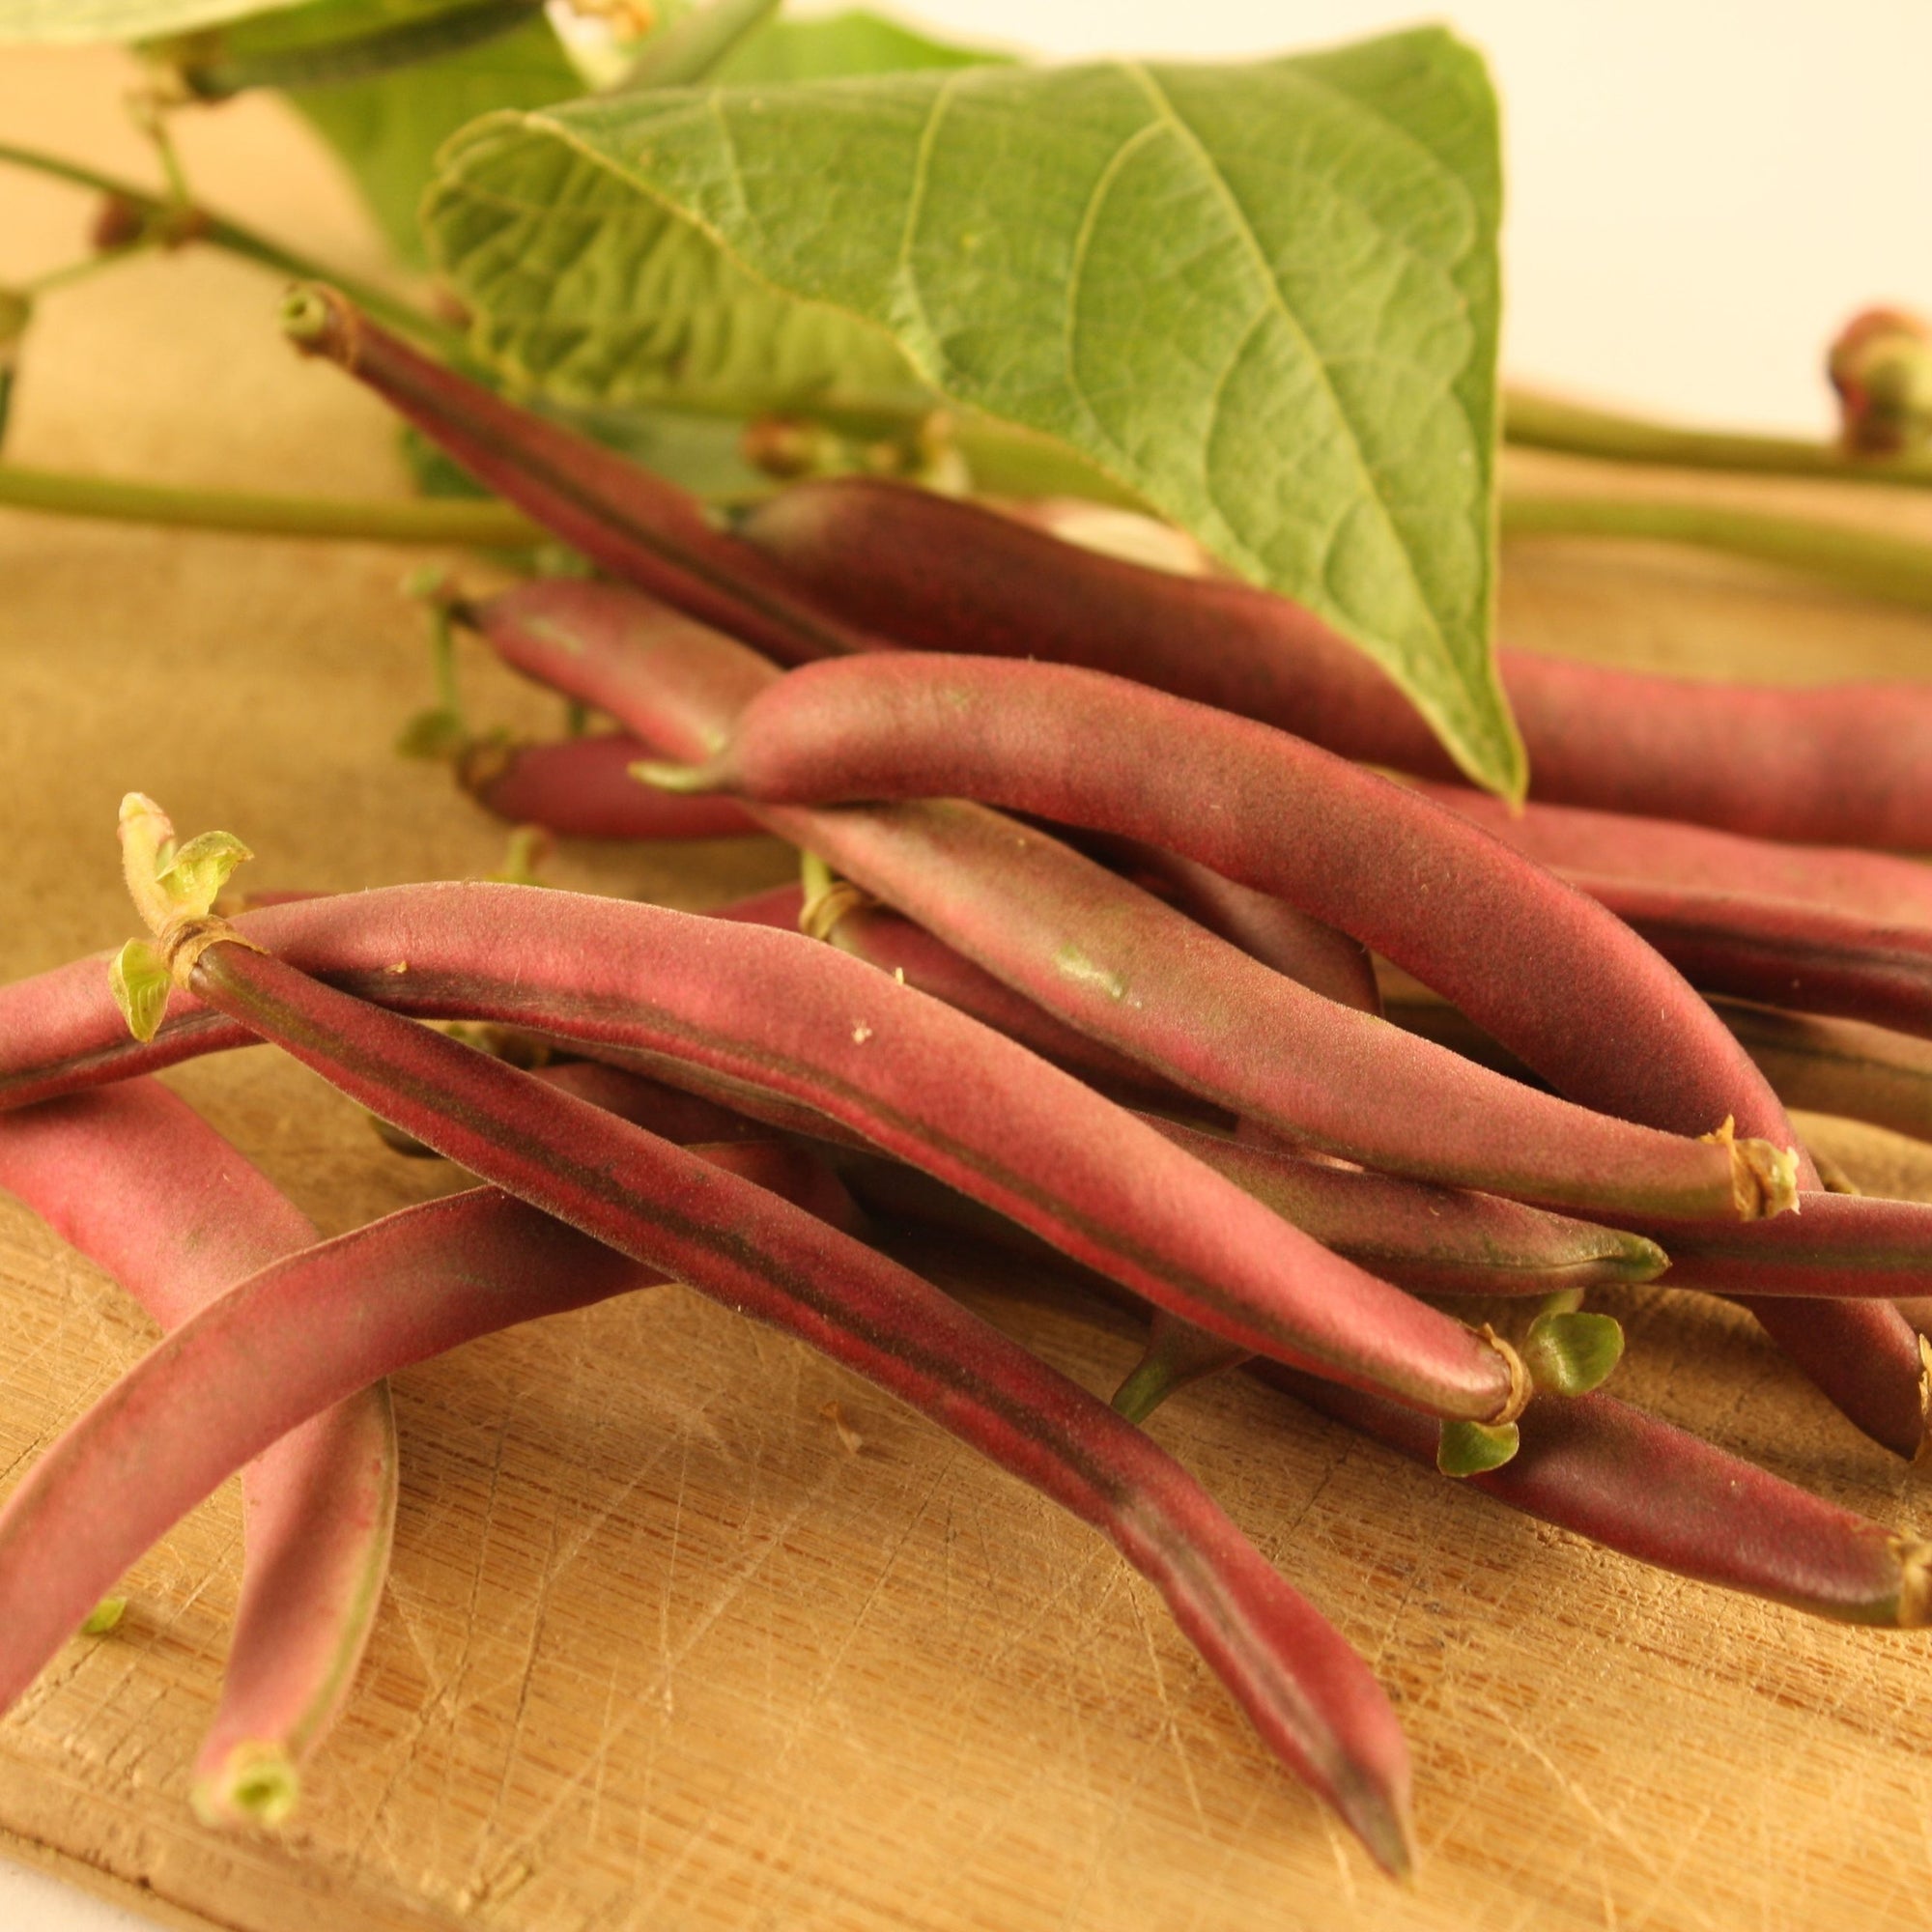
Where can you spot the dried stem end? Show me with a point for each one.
(1915, 1581)
(1521, 1387)
(1569, 1352)
(1924, 1454)
(1468, 1448)
(256, 1785)
(1764, 1178)
(320, 323)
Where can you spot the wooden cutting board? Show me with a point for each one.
(664, 1648)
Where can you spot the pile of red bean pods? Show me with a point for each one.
(1105, 896)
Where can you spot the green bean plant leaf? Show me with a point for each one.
(1262, 299)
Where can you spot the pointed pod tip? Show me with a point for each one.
(1915, 1581)
(255, 1783)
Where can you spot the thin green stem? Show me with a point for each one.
(1864, 561)
(484, 525)
(80, 270)
(198, 224)
(1544, 422)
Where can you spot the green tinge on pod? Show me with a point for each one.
(1468, 1448)
(1569, 1353)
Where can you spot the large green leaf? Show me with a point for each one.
(1264, 299)
(75, 20)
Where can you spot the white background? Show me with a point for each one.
(1699, 192)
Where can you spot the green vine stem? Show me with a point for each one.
(1874, 565)
(1544, 422)
(188, 222)
(478, 525)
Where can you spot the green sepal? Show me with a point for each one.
(1571, 1352)
(437, 735)
(104, 1617)
(1565, 1301)
(1468, 1448)
(139, 981)
(194, 874)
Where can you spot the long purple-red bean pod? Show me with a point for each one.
(1570, 839)
(1316, 1704)
(583, 788)
(779, 1013)
(1640, 1486)
(1838, 1066)
(1781, 952)
(631, 522)
(1581, 1000)
(138, 1182)
(1842, 764)
(1151, 983)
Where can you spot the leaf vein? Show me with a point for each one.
(1278, 300)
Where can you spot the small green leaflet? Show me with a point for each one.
(1262, 298)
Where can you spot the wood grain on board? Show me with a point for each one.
(663, 1649)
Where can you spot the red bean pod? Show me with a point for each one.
(1663, 852)
(1782, 953)
(1315, 1704)
(1637, 1484)
(637, 525)
(1838, 1066)
(583, 788)
(1129, 970)
(783, 1014)
(1842, 764)
(134, 1179)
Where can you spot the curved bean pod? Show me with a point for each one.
(1842, 764)
(1568, 839)
(637, 525)
(1637, 1484)
(583, 788)
(1838, 1066)
(1781, 952)
(139, 1184)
